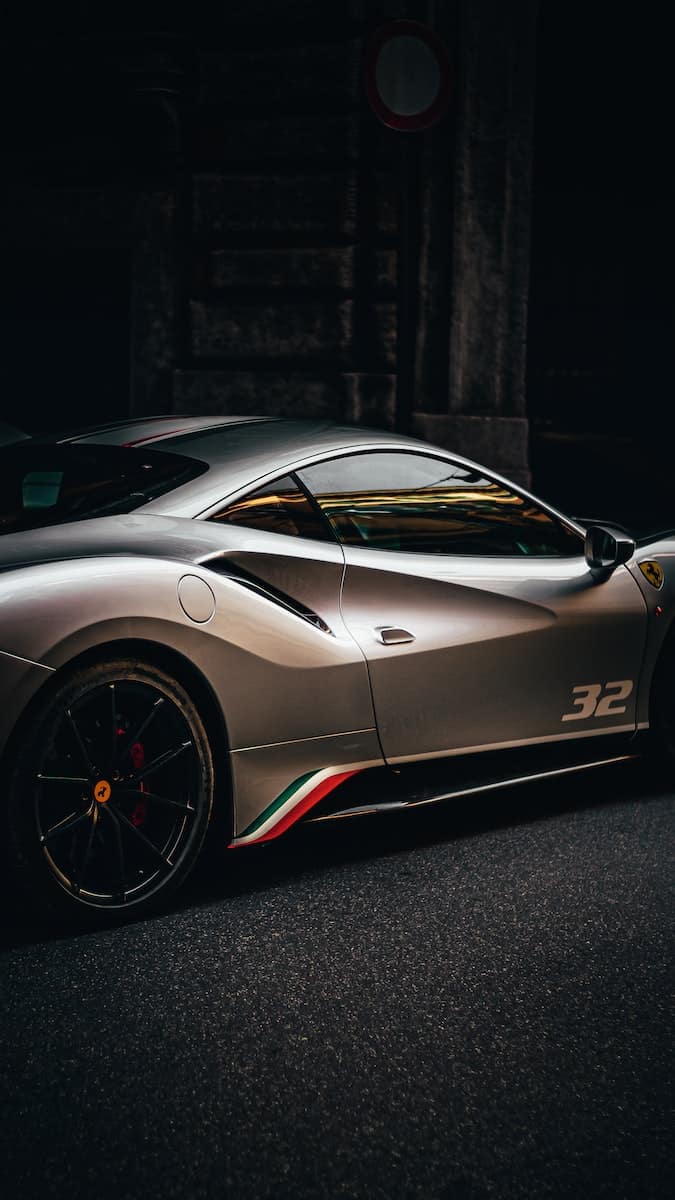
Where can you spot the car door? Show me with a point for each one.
(480, 621)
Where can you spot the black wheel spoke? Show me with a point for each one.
(145, 841)
(140, 730)
(81, 870)
(161, 761)
(66, 825)
(154, 798)
(113, 722)
(79, 779)
(80, 743)
(119, 852)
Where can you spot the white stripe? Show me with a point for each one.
(289, 805)
(294, 800)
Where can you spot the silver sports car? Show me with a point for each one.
(223, 626)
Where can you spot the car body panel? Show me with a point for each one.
(500, 645)
(275, 676)
(660, 605)
(310, 570)
(261, 775)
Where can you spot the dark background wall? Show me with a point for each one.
(199, 212)
(601, 379)
(65, 325)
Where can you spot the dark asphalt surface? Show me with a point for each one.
(472, 1002)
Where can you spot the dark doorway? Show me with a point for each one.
(64, 337)
(601, 372)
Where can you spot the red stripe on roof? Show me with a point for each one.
(154, 437)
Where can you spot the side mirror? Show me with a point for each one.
(606, 548)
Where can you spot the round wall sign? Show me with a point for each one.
(407, 74)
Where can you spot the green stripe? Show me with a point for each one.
(277, 804)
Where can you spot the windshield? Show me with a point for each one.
(52, 484)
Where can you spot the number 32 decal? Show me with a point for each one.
(599, 700)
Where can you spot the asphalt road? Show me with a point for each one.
(466, 1004)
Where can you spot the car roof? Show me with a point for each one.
(240, 454)
(135, 431)
(242, 451)
(238, 450)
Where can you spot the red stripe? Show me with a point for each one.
(154, 437)
(322, 789)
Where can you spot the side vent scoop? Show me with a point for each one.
(237, 574)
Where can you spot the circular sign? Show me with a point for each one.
(407, 72)
(103, 791)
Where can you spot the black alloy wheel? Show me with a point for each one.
(112, 793)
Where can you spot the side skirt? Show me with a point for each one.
(415, 785)
(354, 789)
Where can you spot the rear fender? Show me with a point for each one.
(276, 676)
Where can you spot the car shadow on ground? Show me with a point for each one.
(311, 848)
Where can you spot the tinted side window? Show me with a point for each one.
(278, 507)
(420, 504)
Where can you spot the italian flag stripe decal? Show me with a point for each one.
(293, 803)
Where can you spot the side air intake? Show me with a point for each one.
(237, 574)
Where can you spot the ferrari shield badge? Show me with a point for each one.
(653, 572)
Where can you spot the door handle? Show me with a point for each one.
(391, 635)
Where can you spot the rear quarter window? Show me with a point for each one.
(52, 484)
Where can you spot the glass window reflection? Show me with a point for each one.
(278, 507)
(419, 504)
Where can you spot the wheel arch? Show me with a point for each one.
(174, 663)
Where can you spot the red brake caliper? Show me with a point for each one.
(139, 814)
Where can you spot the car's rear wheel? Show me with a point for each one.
(111, 793)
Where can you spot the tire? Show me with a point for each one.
(111, 794)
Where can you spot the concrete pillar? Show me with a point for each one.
(155, 333)
(481, 409)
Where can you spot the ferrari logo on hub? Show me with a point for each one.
(102, 791)
(653, 572)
